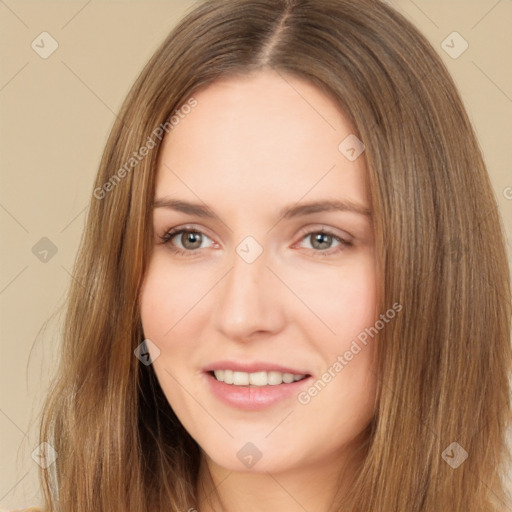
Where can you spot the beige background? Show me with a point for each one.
(55, 117)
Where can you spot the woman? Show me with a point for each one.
(337, 336)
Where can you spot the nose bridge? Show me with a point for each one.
(247, 301)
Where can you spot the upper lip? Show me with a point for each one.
(251, 367)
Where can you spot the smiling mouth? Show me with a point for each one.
(257, 379)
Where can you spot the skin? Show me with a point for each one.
(252, 145)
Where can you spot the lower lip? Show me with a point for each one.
(254, 398)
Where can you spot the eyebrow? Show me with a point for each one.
(288, 212)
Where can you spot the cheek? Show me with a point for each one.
(162, 310)
(347, 305)
(153, 299)
(355, 334)
(344, 299)
(166, 296)
(172, 314)
(357, 304)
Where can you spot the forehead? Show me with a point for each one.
(261, 137)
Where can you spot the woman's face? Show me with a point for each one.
(259, 293)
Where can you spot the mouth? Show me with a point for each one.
(256, 379)
(256, 390)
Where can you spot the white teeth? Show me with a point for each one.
(256, 378)
(240, 379)
(288, 377)
(274, 378)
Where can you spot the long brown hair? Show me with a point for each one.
(443, 363)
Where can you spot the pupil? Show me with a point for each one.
(318, 238)
(190, 238)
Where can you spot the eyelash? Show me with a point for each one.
(169, 235)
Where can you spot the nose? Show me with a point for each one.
(249, 299)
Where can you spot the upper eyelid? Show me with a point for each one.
(177, 230)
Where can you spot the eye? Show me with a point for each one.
(191, 241)
(321, 239)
